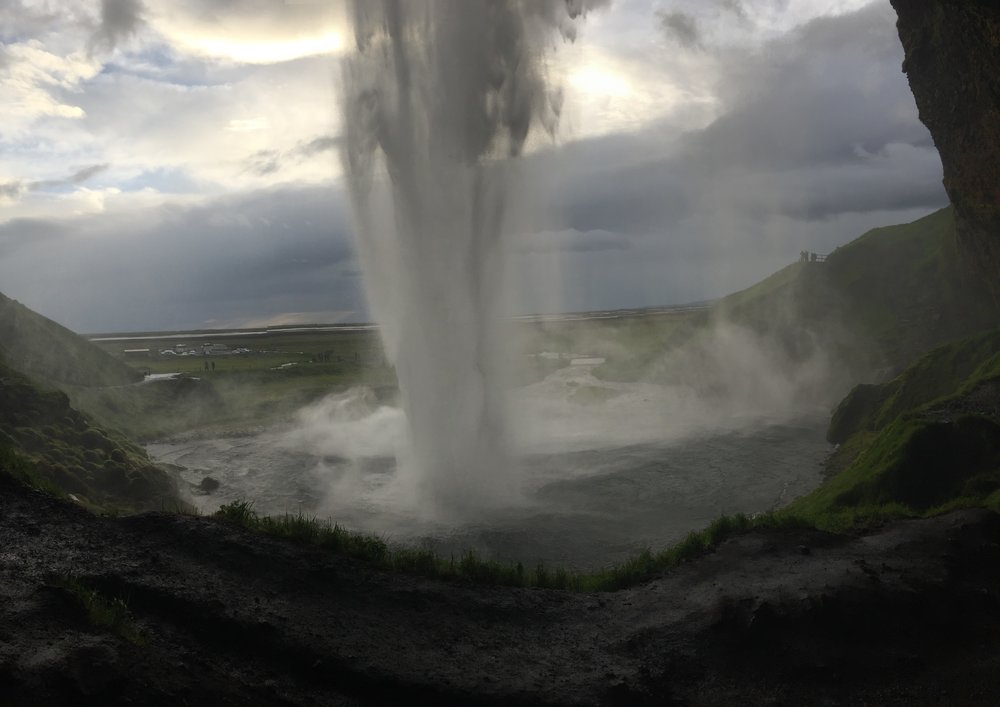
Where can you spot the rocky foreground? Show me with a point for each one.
(907, 615)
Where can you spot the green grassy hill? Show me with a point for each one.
(900, 292)
(44, 369)
(928, 438)
(96, 382)
(873, 307)
(46, 351)
(926, 441)
(58, 448)
(893, 306)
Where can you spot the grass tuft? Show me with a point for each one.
(470, 567)
(103, 612)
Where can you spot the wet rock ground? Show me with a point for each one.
(906, 615)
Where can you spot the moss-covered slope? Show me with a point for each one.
(928, 439)
(65, 452)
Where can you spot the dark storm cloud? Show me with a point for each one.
(120, 19)
(818, 142)
(828, 93)
(828, 126)
(25, 232)
(252, 256)
(682, 28)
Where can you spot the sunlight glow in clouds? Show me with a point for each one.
(262, 51)
(599, 81)
(33, 77)
(247, 125)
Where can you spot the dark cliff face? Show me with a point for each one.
(953, 64)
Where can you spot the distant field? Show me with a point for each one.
(264, 377)
(352, 348)
(355, 350)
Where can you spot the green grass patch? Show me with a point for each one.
(923, 443)
(61, 450)
(940, 376)
(103, 612)
(916, 466)
(470, 567)
(21, 470)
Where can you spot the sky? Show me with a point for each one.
(175, 164)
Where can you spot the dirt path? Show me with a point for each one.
(908, 615)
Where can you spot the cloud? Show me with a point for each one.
(736, 158)
(120, 19)
(78, 177)
(264, 162)
(38, 84)
(28, 233)
(19, 19)
(232, 259)
(736, 8)
(828, 127)
(14, 190)
(218, 130)
(268, 162)
(818, 141)
(681, 28)
(253, 31)
(85, 173)
(323, 143)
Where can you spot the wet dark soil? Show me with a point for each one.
(906, 615)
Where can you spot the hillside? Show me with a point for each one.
(926, 437)
(872, 308)
(44, 368)
(926, 441)
(48, 352)
(899, 290)
(58, 448)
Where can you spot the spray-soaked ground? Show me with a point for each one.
(609, 469)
